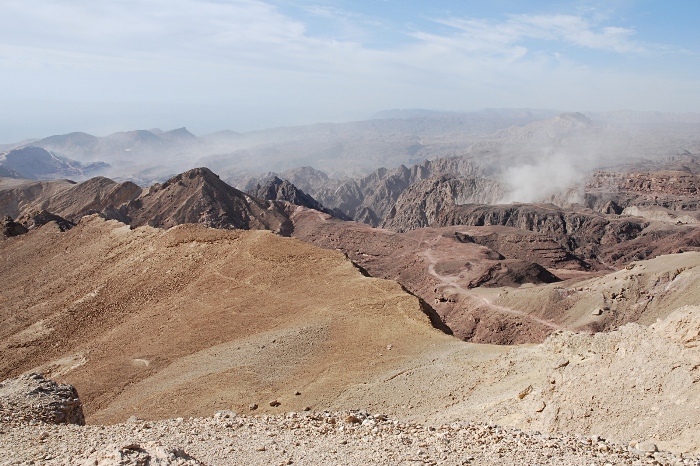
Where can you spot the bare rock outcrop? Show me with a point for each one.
(424, 202)
(147, 454)
(12, 228)
(89, 197)
(665, 182)
(590, 237)
(369, 199)
(673, 190)
(38, 219)
(308, 179)
(276, 189)
(199, 196)
(67, 199)
(31, 397)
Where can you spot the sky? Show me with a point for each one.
(101, 66)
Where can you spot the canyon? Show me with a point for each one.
(413, 312)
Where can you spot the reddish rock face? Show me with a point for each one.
(674, 189)
(443, 265)
(670, 182)
(196, 196)
(446, 266)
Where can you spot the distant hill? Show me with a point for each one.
(497, 139)
(178, 135)
(77, 145)
(275, 189)
(195, 196)
(37, 163)
(83, 146)
(199, 196)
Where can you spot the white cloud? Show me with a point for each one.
(499, 36)
(248, 56)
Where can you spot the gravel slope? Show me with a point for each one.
(328, 438)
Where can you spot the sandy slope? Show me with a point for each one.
(642, 292)
(191, 320)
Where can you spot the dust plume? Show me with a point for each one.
(537, 181)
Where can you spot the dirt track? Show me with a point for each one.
(192, 320)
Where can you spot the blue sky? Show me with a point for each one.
(102, 66)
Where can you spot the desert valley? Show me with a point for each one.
(495, 287)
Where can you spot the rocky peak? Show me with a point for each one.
(200, 196)
(276, 189)
(577, 118)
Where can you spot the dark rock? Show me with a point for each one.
(12, 228)
(276, 189)
(199, 196)
(42, 218)
(31, 397)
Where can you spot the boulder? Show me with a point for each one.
(31, 397)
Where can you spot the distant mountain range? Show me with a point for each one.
(36, 163)
(496, 140)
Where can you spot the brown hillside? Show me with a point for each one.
(22, 199)
(495, 284)
(190, 320)
(446, 266)
(17, 196)
(199, 196)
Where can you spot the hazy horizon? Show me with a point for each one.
(247, 64)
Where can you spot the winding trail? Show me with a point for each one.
(451, 281)
(424, 238)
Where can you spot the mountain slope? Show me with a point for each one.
(275, 189)
(22, 199)
(37, 163)
(199, 196)
(369, 199)
(185, 321)
(423, 202)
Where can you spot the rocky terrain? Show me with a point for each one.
(426, 193)
(196, 196)
(221, 327)
(368, 199)
(461, 271)
(31, 397)
(611, 240)
(183, 326)
(37, 163)
(275, 189)
(139, 319)
(22, 199)
(199, 196)
(352, 438)
(668, 195)
(439, 403)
